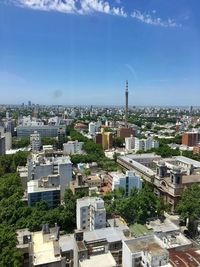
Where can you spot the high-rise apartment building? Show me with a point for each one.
(35, 141)
(2, 145)
(90, 213)
(60, 167)
(191, 138)
(130, 143)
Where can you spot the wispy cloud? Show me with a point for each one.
(72, 6)
(150, 18)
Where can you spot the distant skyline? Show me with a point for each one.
(81, 52)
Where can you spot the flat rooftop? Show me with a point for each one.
(147, 243)
(33, 187)
(162, 226)
(103, 260)
(44, 252)
(112, 234)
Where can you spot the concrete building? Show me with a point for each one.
(2, 145)
(94, 181)
(47, 189)
(130, 143)
(100, 248)
(61, 167)
(145, 144)
(93, 128)
(90, 213)
(43, 130)
(72, 147)
(147, 251)
(126, 181)
(35, 141)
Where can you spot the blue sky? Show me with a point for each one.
(82, 51)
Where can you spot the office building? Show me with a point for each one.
(35, 141)
(90, 213)
(61, 167)
(72, 147)
(2, 145)
(126, 181)
(43, 130)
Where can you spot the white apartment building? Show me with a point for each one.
(92, 128)
(90, 213)
(146, 251)
(40, 166)
(72, 147)
(35, 141)
(130, 143)
(127, 181)
(145, 144)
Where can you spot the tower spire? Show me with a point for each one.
(126, 107)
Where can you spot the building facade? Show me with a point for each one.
(90, 213)
(35, 141)
(126, 181)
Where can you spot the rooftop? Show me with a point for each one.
(162, 226)
(189, 161)
(147, 243)
(33, 187)
(44, 252)
(112, 234)
(103, 260)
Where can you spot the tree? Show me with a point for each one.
(189, 206)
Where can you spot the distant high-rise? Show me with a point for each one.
(126, 108)
(29, 103)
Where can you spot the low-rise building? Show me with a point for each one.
(94, 181)
(145, 251)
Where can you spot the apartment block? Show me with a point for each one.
(90, 213)
(35, 141)
(72, 147)
(126, 181)
(191, 138)
(58, 167)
